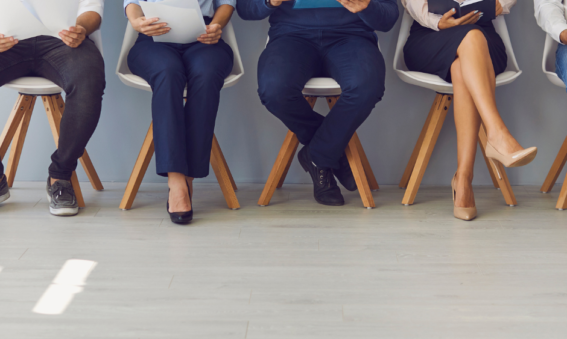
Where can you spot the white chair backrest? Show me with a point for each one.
(131, 36)
(548, 62)
(499, 25)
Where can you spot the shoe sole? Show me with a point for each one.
(4, 197)
(61, 212)
(524, 161)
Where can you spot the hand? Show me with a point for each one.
(7, 43)
(499, 8)
(276, 3)
(562, 37)
(74, 37)
(214, 33)
(447, 20)
(355, 6)
(149, 26)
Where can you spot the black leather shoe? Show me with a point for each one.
(182, 218)
(344, 174)
(325, 187)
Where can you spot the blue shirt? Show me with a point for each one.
(380, 15)
(208, 7)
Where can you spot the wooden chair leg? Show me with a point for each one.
(85, 159)
(354, 159)
(434, 124)
(54, 117)
(413, 158)
(366, 164)
(556, 169)
(225, 164)
(139, 171)
(223, 176)
(22, 105)
(18, 144)
(499, 172)
(284, 157)
(562, 201)
(311, 101)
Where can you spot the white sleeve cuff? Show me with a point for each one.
(556, 31)
(93, 6)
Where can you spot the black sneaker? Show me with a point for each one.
(4, 189)
(61, 197)
(325, 187)
(344, 174)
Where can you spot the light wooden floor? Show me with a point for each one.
(295, 269)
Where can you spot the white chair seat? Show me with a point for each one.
(439, 85)
(34, 86)
(135, 81)
(322, 87)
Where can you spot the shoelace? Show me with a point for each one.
(324, 176)
(62, 190)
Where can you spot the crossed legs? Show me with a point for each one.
(474, 84)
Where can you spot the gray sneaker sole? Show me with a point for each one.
(4, 197)
(66, 211)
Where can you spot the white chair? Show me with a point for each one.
(16, 128)
(548, 67)
(361, 169)
(218, 162)
(419, 159)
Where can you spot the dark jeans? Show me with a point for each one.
(183, 135)
(352, 59)
(80, 73)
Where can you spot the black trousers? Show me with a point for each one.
(80, 73)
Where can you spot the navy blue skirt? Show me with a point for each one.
(434, 52)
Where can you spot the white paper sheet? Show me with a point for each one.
(56, 15)
(186, 24)
(17, 22)
(53, 16)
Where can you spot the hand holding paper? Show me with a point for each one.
(74, 37)
(6, 43)
(149, 27)
(213, 35)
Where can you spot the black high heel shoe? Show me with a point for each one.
(182, 218)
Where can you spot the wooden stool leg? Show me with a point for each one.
(54, 117)
(223, 176)
(366, 164)
(311, 101)
(556, 169)
(85, 159)
(499, 172)
(284, 157)
(354, 159)
(413, 158)
(22, 105)
(221, 155)
(434, 125)
(562, 201)
(18, 144)
(139, 171)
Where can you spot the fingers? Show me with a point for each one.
(465, 18)
(7, 41)
(149, 27)
(473, 19)
(449, 14)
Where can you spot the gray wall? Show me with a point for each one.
(250, 136)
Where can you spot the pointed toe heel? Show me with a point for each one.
(516, 159)
(463, 213)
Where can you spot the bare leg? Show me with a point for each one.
(467, 123)
(480, 80)
(190, 182)
(178, 195)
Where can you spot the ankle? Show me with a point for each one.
(465, 176)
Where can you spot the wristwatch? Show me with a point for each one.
(269, 4)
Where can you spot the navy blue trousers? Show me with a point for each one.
(351, 58)
(183, 134)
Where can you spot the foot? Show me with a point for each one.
(179, 200)
(325, 187)
(464, 191)
(344, 174)
(61, 197)
(4, 189)
(505, 143)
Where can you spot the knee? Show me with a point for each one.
(475, 38)
(366, 92)
(168, 73)
(208, 75)
(90, 81)
(276, 92)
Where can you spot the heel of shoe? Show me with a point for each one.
(495, 164)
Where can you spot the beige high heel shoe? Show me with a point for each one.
(515, 159)
(463, 213)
